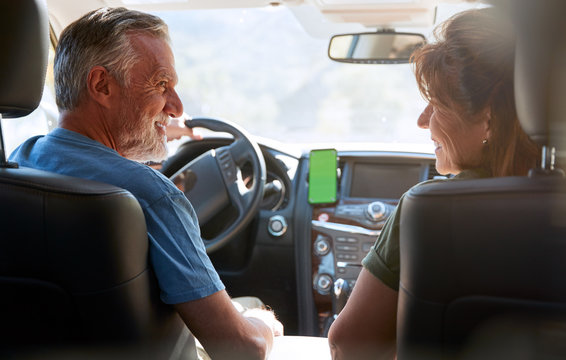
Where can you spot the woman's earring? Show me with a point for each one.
(484, 141)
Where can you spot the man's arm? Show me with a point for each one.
(365, 328)
(227, 334)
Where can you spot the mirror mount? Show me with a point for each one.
(382, 47)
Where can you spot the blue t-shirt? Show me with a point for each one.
(176, 252)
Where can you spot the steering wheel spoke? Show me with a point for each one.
(240, 151)
(227, 165)
(237, 200)
(211, 182)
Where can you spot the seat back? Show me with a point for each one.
(74, 264)
(74, 273)
(477, 253)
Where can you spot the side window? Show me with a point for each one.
(39, 122)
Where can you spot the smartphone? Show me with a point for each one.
(322, 176)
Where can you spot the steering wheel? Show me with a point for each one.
(211, 181)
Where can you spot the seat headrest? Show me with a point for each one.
(24, 47)
(540, 75)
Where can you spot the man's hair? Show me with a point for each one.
(469, 73)
(99, 38)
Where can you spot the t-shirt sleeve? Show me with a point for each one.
(177, 254)
(382, 261)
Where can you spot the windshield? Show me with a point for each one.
(260, 69)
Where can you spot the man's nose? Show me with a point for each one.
(173, 106)
(424, 118)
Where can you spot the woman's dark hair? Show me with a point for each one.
(469, 73)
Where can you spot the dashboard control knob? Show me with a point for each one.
(321, 245)
(376, 211)
(323, 283)
(277, 225)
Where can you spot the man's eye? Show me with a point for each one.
(162, 84)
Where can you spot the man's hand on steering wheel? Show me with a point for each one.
(177, 129)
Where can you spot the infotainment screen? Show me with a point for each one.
(388, 181)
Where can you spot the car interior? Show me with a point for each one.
(290, 223)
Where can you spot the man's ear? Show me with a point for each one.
(101, 86)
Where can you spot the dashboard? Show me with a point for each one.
(300, 258)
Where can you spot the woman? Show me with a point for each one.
(467, 78)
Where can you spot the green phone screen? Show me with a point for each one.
(322, 176)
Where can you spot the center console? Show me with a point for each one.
(341, 237)
(343, 232)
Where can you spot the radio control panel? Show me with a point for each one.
(371, 215)
(340, 249)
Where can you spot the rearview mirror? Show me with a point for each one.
(374, 48)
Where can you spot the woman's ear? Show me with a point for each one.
(100, 86)
(487, 123)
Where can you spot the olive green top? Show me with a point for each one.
(384, 257)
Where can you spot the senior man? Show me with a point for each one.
(115, 89)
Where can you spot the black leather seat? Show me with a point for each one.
(74, 273)
(478, 253)
(483, 261)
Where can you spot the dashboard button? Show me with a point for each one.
(347, 257)
(346, 247)
(376, 211)
(277, 225)
(321, 245)
(323, 283)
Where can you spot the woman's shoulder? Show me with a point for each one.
(478, 173)
(469, 174)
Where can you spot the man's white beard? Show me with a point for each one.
(138, 139)
(143, 152)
